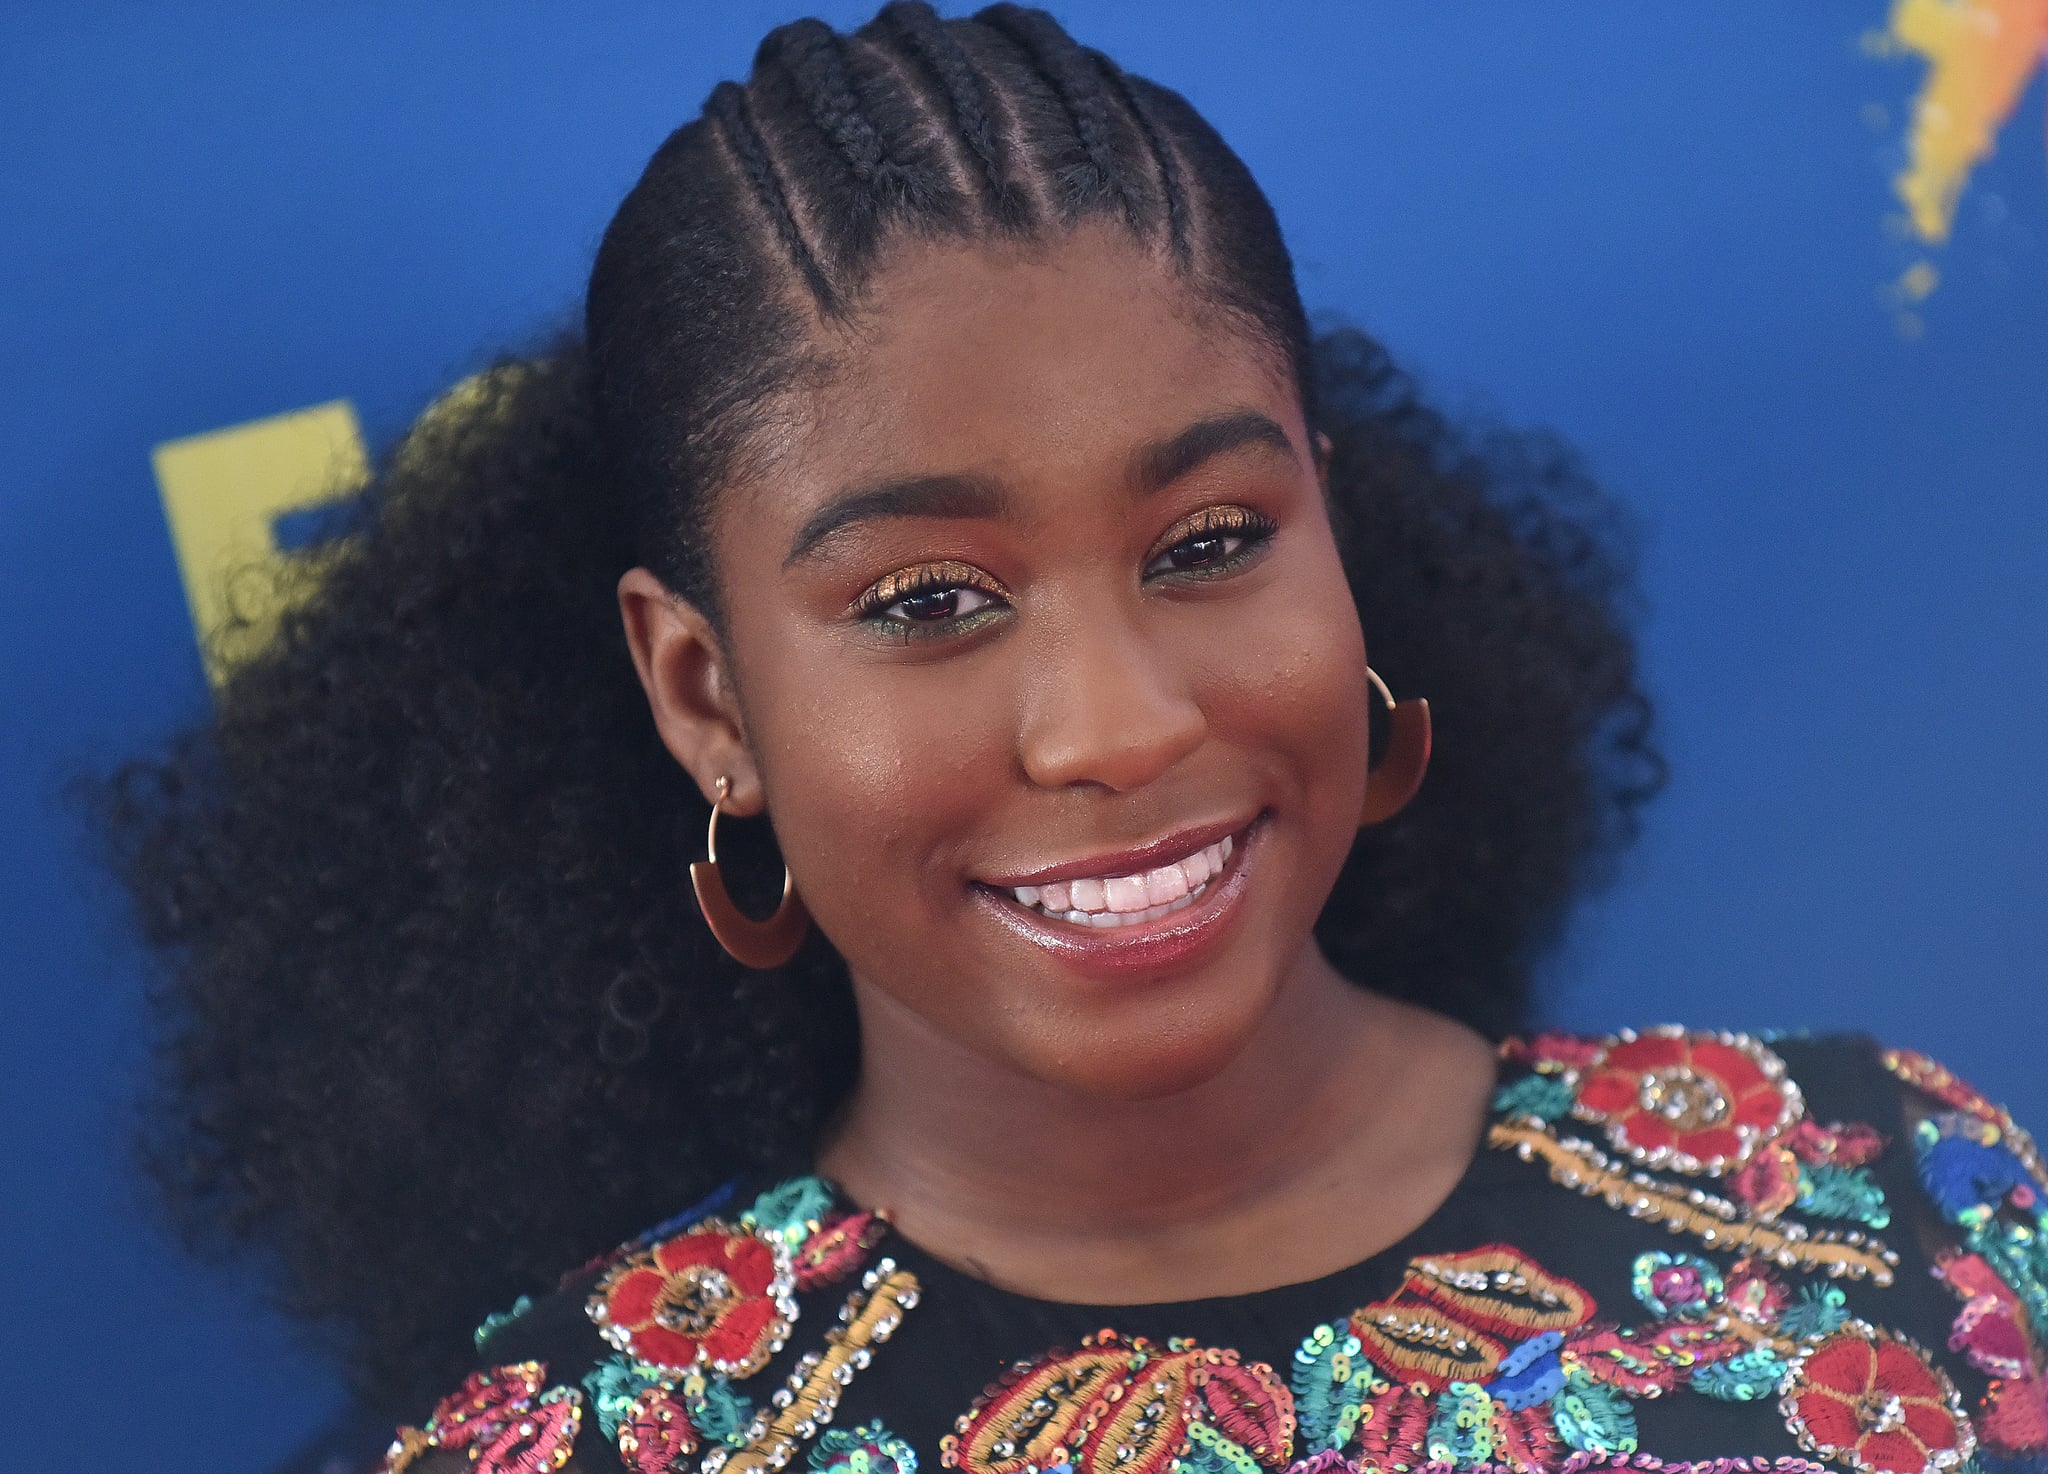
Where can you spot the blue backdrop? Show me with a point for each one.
(1658, 228)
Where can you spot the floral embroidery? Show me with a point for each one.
(810, 1396)
(711, 1302)
(612, 1385)
(869, 1449)
(1692, 1103)
(1127, 1407)
(825, 1244)
(790, 1211)
(1971, 1164)
(1701, 1105)
(1925, 1074)
(1478, 1362)
(1494, 1360)
(654, 1433)
(715, 1295)
(503, 1418)
(1727, 1336)
(1454, 1315)
(654, 1417)
(1332, 1384)
(1872, 1401)
(1992, 1331)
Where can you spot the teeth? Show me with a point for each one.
(1127, 900)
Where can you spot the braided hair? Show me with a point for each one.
(436, 1019)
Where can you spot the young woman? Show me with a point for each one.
(1099, 1068)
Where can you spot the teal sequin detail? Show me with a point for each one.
(497, 1320)
(1689, 1284)
(790, 1210)
(869, 1449)
(1828, 1191)
(1539, 1097)
(1745, 1377)
(717, 1412)
(1210, 1452)
(1593, 1418)
(1461, 1429)
(612, 1385)
(1331, 1381)
(1818, 1310)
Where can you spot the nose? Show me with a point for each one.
(1108, 709)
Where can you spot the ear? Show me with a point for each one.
(1324, 450)
(684, 671)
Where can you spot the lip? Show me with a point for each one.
(1168, 944)
(1150, 856)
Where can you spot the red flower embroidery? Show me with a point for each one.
(503, 1418)
(1697, 1103)
(1991, 1329)
(655, 1435)
(715, 1296)
(1872, 1401)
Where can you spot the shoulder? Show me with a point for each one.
(651, 1353)
(1712, 1102)
(1802, 1148)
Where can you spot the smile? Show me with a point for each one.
(1129, 900)
(1154, 911)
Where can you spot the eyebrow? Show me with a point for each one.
(1164, 462)
(1152, 467)
(911, 496)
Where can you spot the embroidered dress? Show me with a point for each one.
(1673, 1251)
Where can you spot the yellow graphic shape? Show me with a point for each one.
(223, 493)
(1981, 54)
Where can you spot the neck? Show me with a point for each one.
(954, 1144)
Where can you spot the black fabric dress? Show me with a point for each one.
(1673, 1250)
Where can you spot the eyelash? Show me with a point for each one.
(1250, 530)
(879, 598)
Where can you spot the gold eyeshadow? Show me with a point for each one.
(924, 578)
(1210, 522)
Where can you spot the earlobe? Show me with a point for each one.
(683, 671)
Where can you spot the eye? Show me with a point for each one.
(937, 598)
(931, 605)
(1211, 541)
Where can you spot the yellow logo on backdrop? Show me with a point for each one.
(238, 501)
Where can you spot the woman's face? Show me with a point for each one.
(1040, 596)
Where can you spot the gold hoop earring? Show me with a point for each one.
(1392, 781)
(751, 943)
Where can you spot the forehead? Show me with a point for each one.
(1020, 361)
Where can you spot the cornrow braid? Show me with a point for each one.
(927, 38)
(727, 106)
(814, 56)
(1063, 67)
(1172, 187)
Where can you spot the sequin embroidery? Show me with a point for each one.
(1716, 1106)
(1120, 1406)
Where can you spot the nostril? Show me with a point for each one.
(1120, 743)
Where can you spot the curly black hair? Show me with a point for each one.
(437, 1018)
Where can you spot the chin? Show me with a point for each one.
(1153, 1053)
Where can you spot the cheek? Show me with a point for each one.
(870, 771)
(1289, 687)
